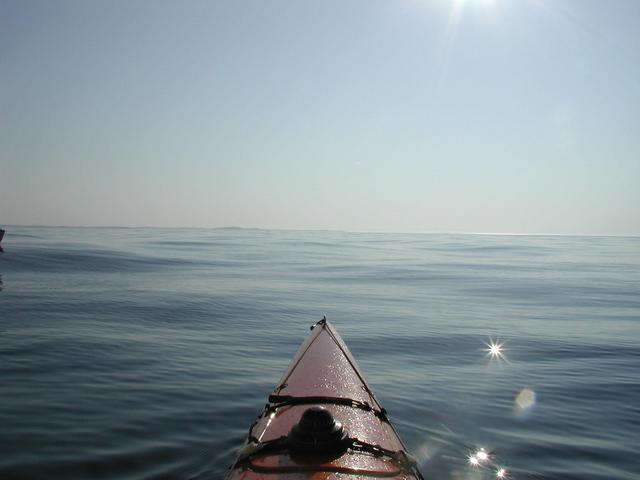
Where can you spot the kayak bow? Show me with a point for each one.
(323, 421)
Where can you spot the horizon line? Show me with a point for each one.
(336, 230)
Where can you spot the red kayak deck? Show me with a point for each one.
(323, 373)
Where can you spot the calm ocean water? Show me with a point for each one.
(146, 353)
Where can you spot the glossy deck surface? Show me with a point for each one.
(324, 367)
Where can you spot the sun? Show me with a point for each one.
(477, 2)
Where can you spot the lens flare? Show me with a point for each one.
(473, 460)
(501, 473)
(525, 400)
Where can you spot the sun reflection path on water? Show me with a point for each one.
(480, 458)
(479, 463)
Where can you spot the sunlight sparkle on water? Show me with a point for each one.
(495, 349)
(481, 455)
(482, 459)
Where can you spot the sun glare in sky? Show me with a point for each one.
(478, 2)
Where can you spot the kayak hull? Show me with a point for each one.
(323, 374)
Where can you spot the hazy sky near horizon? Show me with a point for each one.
(517, 116)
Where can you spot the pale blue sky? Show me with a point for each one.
(518, 116)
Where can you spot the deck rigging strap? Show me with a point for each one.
(281, 445)
(279, 401)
